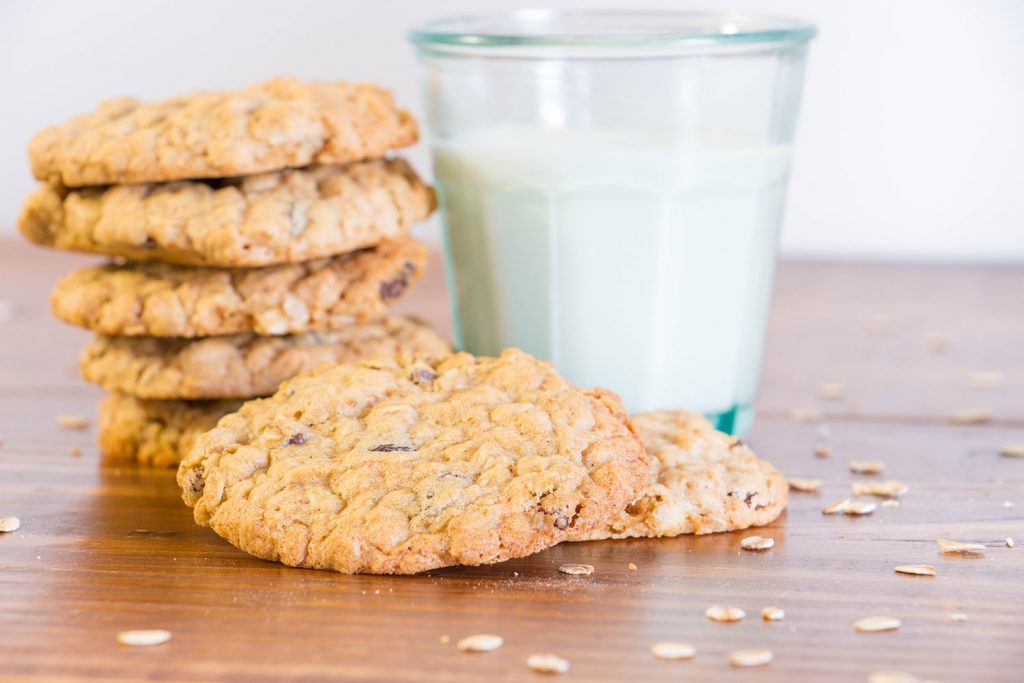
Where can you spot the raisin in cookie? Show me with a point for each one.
(701, 481)
(280, 124)
(155, 433)
(245, 365)
(400, 466)
(280, 217)
(162, 300)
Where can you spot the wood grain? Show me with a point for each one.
(104, 549)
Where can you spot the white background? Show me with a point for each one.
(911, 141)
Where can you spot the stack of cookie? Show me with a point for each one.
(257, 234)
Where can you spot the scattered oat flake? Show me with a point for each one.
(547, 663)
(883, 489)
(957, 616)
(773, 614)
(822, 451)
(757, 543)
(805, 414)
(948, 546)
(875, 624)
(577, 569)
(985, 379)
(1012, 450)
(72, 422)
(892, 677)
(831, 391)
(917, 569)
(970, 416)
(155, 636)
(860, 507)
(631, 567)
(1009, 542)
(890, 503)
(867, 466)
(444, 640)
(9, 524)
(836, 507)
(670, 650)
(723, 614)
(758, 657)
(805, 485)
(937, 341)
(482, 642)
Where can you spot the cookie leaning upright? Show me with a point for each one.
(283, 123)
(702, 481)
(402, 466)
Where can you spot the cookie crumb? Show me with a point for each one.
(882, 489)
(74, 451)
(758, 657)
(805, 485)
(916, 569)
(876, 624)
(957, 616)
(937, 341)
(1012, 450)
(805, 414)
(671, 650)
(860, 507)
(836, 507)
(773, 614)
(1009, 542)
(831, 391)
(724, 614)
(577, 569)
(867, 466)
(9, 524)
(970, 416)
(141, 638)
(822, 451)
(892, 677)
(482, 642)
(631, 567)
(547, 663)
(985, 379)
(72, 422)
(757, 543)
(961, 547)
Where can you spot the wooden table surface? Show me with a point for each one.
(103, 549)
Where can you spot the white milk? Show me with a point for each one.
(635, 264)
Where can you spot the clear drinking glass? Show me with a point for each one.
(612, 185)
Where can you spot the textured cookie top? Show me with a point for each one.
(280, 124)
(403, 466)
(245, 365)
(162, 300)
(701, 481)
(280, 217)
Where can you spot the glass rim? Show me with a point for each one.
(658, 28)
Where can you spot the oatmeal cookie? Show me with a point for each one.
(163, 300)
(279, 217)
(155, 433)
(244, 365)
(405, 465)
(283, 123)
(701, 481)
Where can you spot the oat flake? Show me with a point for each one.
(876, 624)
(547, 663)
(757, 657)
(143, 638)
(724, 614)
(577, 569)
(482, 642)
(757, 543)
(671, 650)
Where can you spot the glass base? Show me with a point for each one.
(736, 421)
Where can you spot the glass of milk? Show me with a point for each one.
(612, 185)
